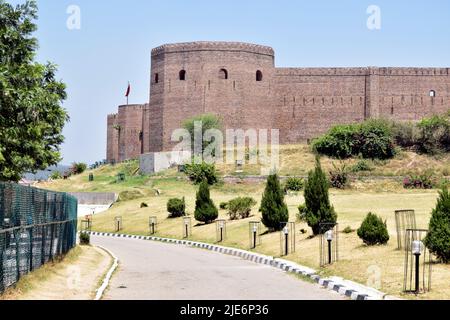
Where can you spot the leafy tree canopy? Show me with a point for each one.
(31, 113)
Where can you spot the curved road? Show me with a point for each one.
(156, 271)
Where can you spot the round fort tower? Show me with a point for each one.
(230, 79)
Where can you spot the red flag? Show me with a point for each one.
(128, 90)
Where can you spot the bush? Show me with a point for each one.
(223, 205)
(318, 207)
(361, 165)
(144, 205)
(78, 168)
(202, 171)
(176, 207)
(339, 176)
(438, 237)
(422, 181)
(375, 140)
(434, 135)
(56, 175)
(373, 230)
(406, 134)
(273, 208)
(301, 216)
(294, 184)
(85, 238)
(205, 210)
(371, 139)
(348, 230)
(339, 142)
(240, 208)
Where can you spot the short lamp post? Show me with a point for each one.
(118, 224)
(255, 231)
(152, 224)
(186, 226)
(221, 226)
(329, 236)
(286, 239)
(417, 247)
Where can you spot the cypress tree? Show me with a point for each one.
(438, 237)
(318, 207)
(205, 209)
(273, 208)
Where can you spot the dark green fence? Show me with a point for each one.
(35, 226)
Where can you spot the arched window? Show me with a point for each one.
(223, 74)
(259, 75)
(156, 77)
(183, 75)
(432, 93)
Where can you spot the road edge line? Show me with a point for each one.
(100, 291)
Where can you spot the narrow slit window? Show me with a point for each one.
(156, 78)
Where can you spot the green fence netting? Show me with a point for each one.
(35, 227)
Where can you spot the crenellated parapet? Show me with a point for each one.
(213, 46)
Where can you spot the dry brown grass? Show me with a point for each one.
(299, 160)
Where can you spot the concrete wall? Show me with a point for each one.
(98, 198)
(158, 161)
(85, 209)
(93, 202)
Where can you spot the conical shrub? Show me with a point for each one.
(273, 208)
(318, 208)
(205, 209)
(438, 237)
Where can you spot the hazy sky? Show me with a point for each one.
(113, 45)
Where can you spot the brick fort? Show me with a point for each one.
(240, 83)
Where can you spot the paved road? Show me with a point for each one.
(156, 271)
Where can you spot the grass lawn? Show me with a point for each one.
(382, 197)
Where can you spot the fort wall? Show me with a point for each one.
(240, 83)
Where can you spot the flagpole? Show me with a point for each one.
(128, 92)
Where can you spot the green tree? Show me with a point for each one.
(438, 237)
(318, 208)
(273, 208)
(31, 115)
(205, 209)
(208, 121)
